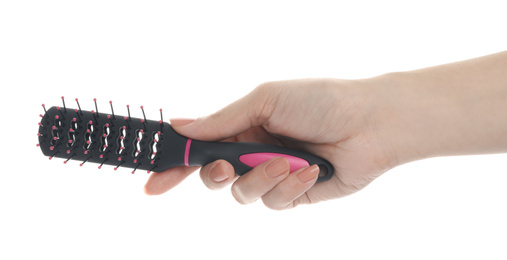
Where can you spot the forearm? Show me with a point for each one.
(453, 109)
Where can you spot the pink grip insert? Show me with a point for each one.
(254, 159)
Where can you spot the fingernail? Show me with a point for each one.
(277, 168)
(217, 174)
(181, 121)
(308, 174)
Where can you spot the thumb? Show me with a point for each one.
(250, 111)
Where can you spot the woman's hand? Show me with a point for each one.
(363, 127)
(327, 117)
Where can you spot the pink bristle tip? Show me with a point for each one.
(58, 107)
(119, 158)
(100, 167)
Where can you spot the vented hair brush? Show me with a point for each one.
(141, 144)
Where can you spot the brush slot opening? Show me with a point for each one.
(121, 141)
(88, 136)
(137, 143)
(55, 136)
(72, 134)
(154, 145)
(104, 139)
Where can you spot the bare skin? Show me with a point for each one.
(363, 127)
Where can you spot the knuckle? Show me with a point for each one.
(265, 98)
(266, 87)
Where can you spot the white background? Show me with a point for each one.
(194, 57)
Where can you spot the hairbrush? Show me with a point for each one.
(141, 144)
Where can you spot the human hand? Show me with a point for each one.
(327, 117)
(362, 127)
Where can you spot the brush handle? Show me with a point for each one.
(245, 156)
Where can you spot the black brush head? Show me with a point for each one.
(120, 141)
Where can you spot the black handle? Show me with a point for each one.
(245, 156)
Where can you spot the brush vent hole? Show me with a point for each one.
(104, 139)
(154, 145)
(72, 134)
(121, 140)
(54, 131)
(88, 136)
(137, 143)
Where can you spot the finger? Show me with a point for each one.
(217, 174)
(250, 111)
(261, 179)
(290, 190)
(161, 182)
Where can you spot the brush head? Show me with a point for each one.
(120, 141)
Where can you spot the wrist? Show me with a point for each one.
(412, 118)
(452, 109)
